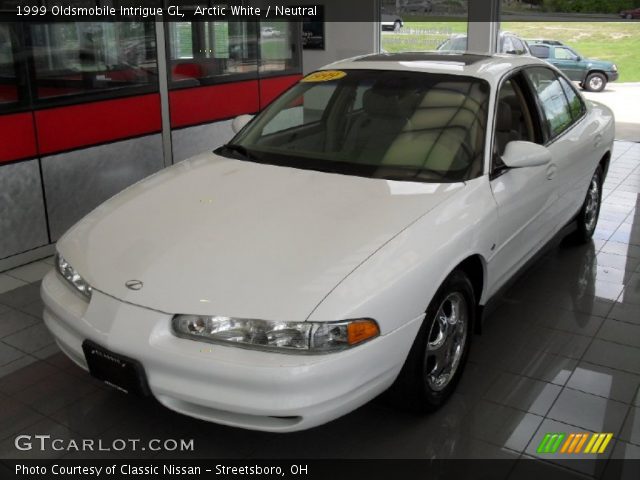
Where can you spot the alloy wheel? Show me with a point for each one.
(446, 341)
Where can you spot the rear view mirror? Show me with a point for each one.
(518, 154)
(239, 122)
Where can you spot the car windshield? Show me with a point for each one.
(396, 125)
(454, 44)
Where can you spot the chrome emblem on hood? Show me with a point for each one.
(133, 284)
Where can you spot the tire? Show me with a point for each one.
(595, 82)
(588, 216)
(397, 26)
(628, 16)
(415, 389)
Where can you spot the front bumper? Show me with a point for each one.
(612, 76)
(227, 385)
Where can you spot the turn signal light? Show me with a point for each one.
(362, 330)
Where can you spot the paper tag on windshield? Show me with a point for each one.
(324, 76)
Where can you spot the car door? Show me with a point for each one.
(569, 62)
(524, 196)
(569, 139)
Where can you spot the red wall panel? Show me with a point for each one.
(270, 88)
(192, 106)
(17, 138)
(76, 126)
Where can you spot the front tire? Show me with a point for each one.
(595, 82)
(588, 217)
(439, 352)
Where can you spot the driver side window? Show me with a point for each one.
(513, 119)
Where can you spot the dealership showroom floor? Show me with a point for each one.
(560, 352)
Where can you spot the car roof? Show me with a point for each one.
(485, 66)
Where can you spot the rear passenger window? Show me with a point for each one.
(539, 51)
(557, 114)
(576, 106)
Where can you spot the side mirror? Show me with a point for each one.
(519, 154)
(239, 122)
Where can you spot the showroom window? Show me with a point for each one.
(278, 48)
(84, 58)
(10, 96)
(552, 98)
(202, 53)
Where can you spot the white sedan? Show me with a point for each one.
(340, 246)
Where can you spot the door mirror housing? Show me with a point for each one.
(239, 122)
(519, 154)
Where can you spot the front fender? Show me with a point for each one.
(396, 284)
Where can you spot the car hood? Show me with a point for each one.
(213, 235)
(594, 62)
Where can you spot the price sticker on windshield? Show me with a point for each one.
(324, 76)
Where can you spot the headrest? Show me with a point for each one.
(387, 103)
(504, 120)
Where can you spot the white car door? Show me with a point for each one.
(567, 140)
(524, 196)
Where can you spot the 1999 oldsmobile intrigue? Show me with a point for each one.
(339, 246)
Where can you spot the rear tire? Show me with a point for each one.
(588, 217)
(595, 82)
(439, 352)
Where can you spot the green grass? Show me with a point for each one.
(618, 42)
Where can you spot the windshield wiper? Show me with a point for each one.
(234, 147)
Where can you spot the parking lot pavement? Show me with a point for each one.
(624, 100)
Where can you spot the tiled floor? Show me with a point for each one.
(560, 353)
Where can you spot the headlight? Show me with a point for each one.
(70, 275)
(289, 337)
(614, 68)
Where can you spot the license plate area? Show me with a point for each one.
(118, 371)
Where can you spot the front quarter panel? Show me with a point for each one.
(395, 285)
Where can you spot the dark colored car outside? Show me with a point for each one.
(593, 75)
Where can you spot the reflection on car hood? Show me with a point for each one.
(219, 236)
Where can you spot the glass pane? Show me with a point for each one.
(408, 26)
(8, 81)
(278, 51)
(82, 57)
(201, 51)
(575, 102)
(383, 124)
(554, 102)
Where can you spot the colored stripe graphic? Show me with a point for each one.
(598, 443)
(553, 443)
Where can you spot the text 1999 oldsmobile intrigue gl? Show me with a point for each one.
(339, 246)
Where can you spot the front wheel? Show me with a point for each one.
(397, 26)
(595, 82)
(588, 217)
(439, 352)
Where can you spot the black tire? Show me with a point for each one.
(595, 82)
(397, 26)
(412, 389)
(587, 218)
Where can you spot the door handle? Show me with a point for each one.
(551, 171)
